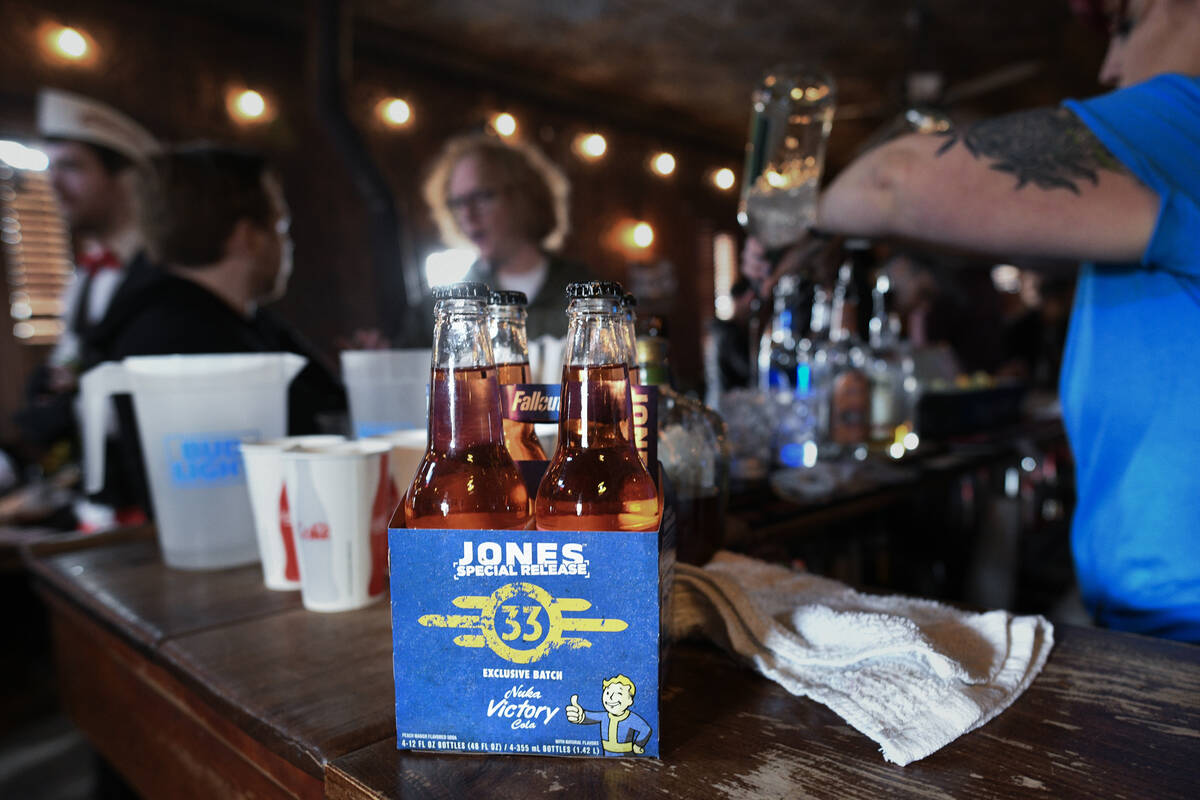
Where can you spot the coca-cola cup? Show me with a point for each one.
(263, 463)
(408, 450)
(341, 498)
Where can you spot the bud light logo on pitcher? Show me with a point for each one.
(203, 460)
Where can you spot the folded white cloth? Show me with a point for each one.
(913, 675)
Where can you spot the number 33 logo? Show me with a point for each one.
(521, 622)
(533, 627)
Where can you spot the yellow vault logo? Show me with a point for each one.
(522, 622)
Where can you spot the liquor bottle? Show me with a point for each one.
(694, 452)
(849, 393)
(777, 350)
(506, 329)
(889, 365)
(596, 481)
(790, 122)
(788, 365)
(467, 479)
(813, 368)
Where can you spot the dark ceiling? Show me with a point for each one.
(687, 66)
(693, 62)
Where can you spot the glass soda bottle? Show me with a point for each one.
(467, 478)
(849, 395)
(596, 481)
(629, 325)
(693, 449)
(506, 328)
(629, 310)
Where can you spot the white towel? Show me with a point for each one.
(913, 675)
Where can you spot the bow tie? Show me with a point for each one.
(98, 260)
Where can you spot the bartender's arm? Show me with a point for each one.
(1034, 183)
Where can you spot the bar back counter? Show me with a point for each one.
(204, 685)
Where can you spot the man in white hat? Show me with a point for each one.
(95, 155)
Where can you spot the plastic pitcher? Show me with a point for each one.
(193, 411)
(387, 389)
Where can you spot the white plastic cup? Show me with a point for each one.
(408, 450)
(272, 514)
(341, 498)
(547, 433)
(386, 389)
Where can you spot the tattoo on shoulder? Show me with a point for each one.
(1048, 147)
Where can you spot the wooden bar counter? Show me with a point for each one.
(207, 685)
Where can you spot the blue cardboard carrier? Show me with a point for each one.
(533, 642)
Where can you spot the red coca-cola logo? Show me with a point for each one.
(319, 530)
(381, 511)
(291, 568)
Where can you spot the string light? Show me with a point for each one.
(504, 124)
(643, 235)
(250, 104)
(663, 164)
(590, 146)
(66, 44)
(247, 106)
(70, 43)
(395, 111)
(723, 179)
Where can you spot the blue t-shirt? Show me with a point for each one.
(1130, 380)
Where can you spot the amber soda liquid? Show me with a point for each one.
(519, 437)
(466, 479)
(510, 347)
(596, 481)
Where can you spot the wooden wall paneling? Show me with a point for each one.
(170, 65)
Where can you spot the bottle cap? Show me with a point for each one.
(629, 301)
(464, 290)
(507, 298)
(610, 289)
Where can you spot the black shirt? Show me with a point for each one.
(171, 315)
(546, 314)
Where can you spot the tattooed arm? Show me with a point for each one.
(1036, 183)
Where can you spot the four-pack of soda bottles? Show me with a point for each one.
(469, 478)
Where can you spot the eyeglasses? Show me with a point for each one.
(476, 199)
(1122, 23)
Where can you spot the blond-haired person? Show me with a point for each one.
(509, 202)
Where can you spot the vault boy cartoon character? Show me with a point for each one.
(622, 731)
